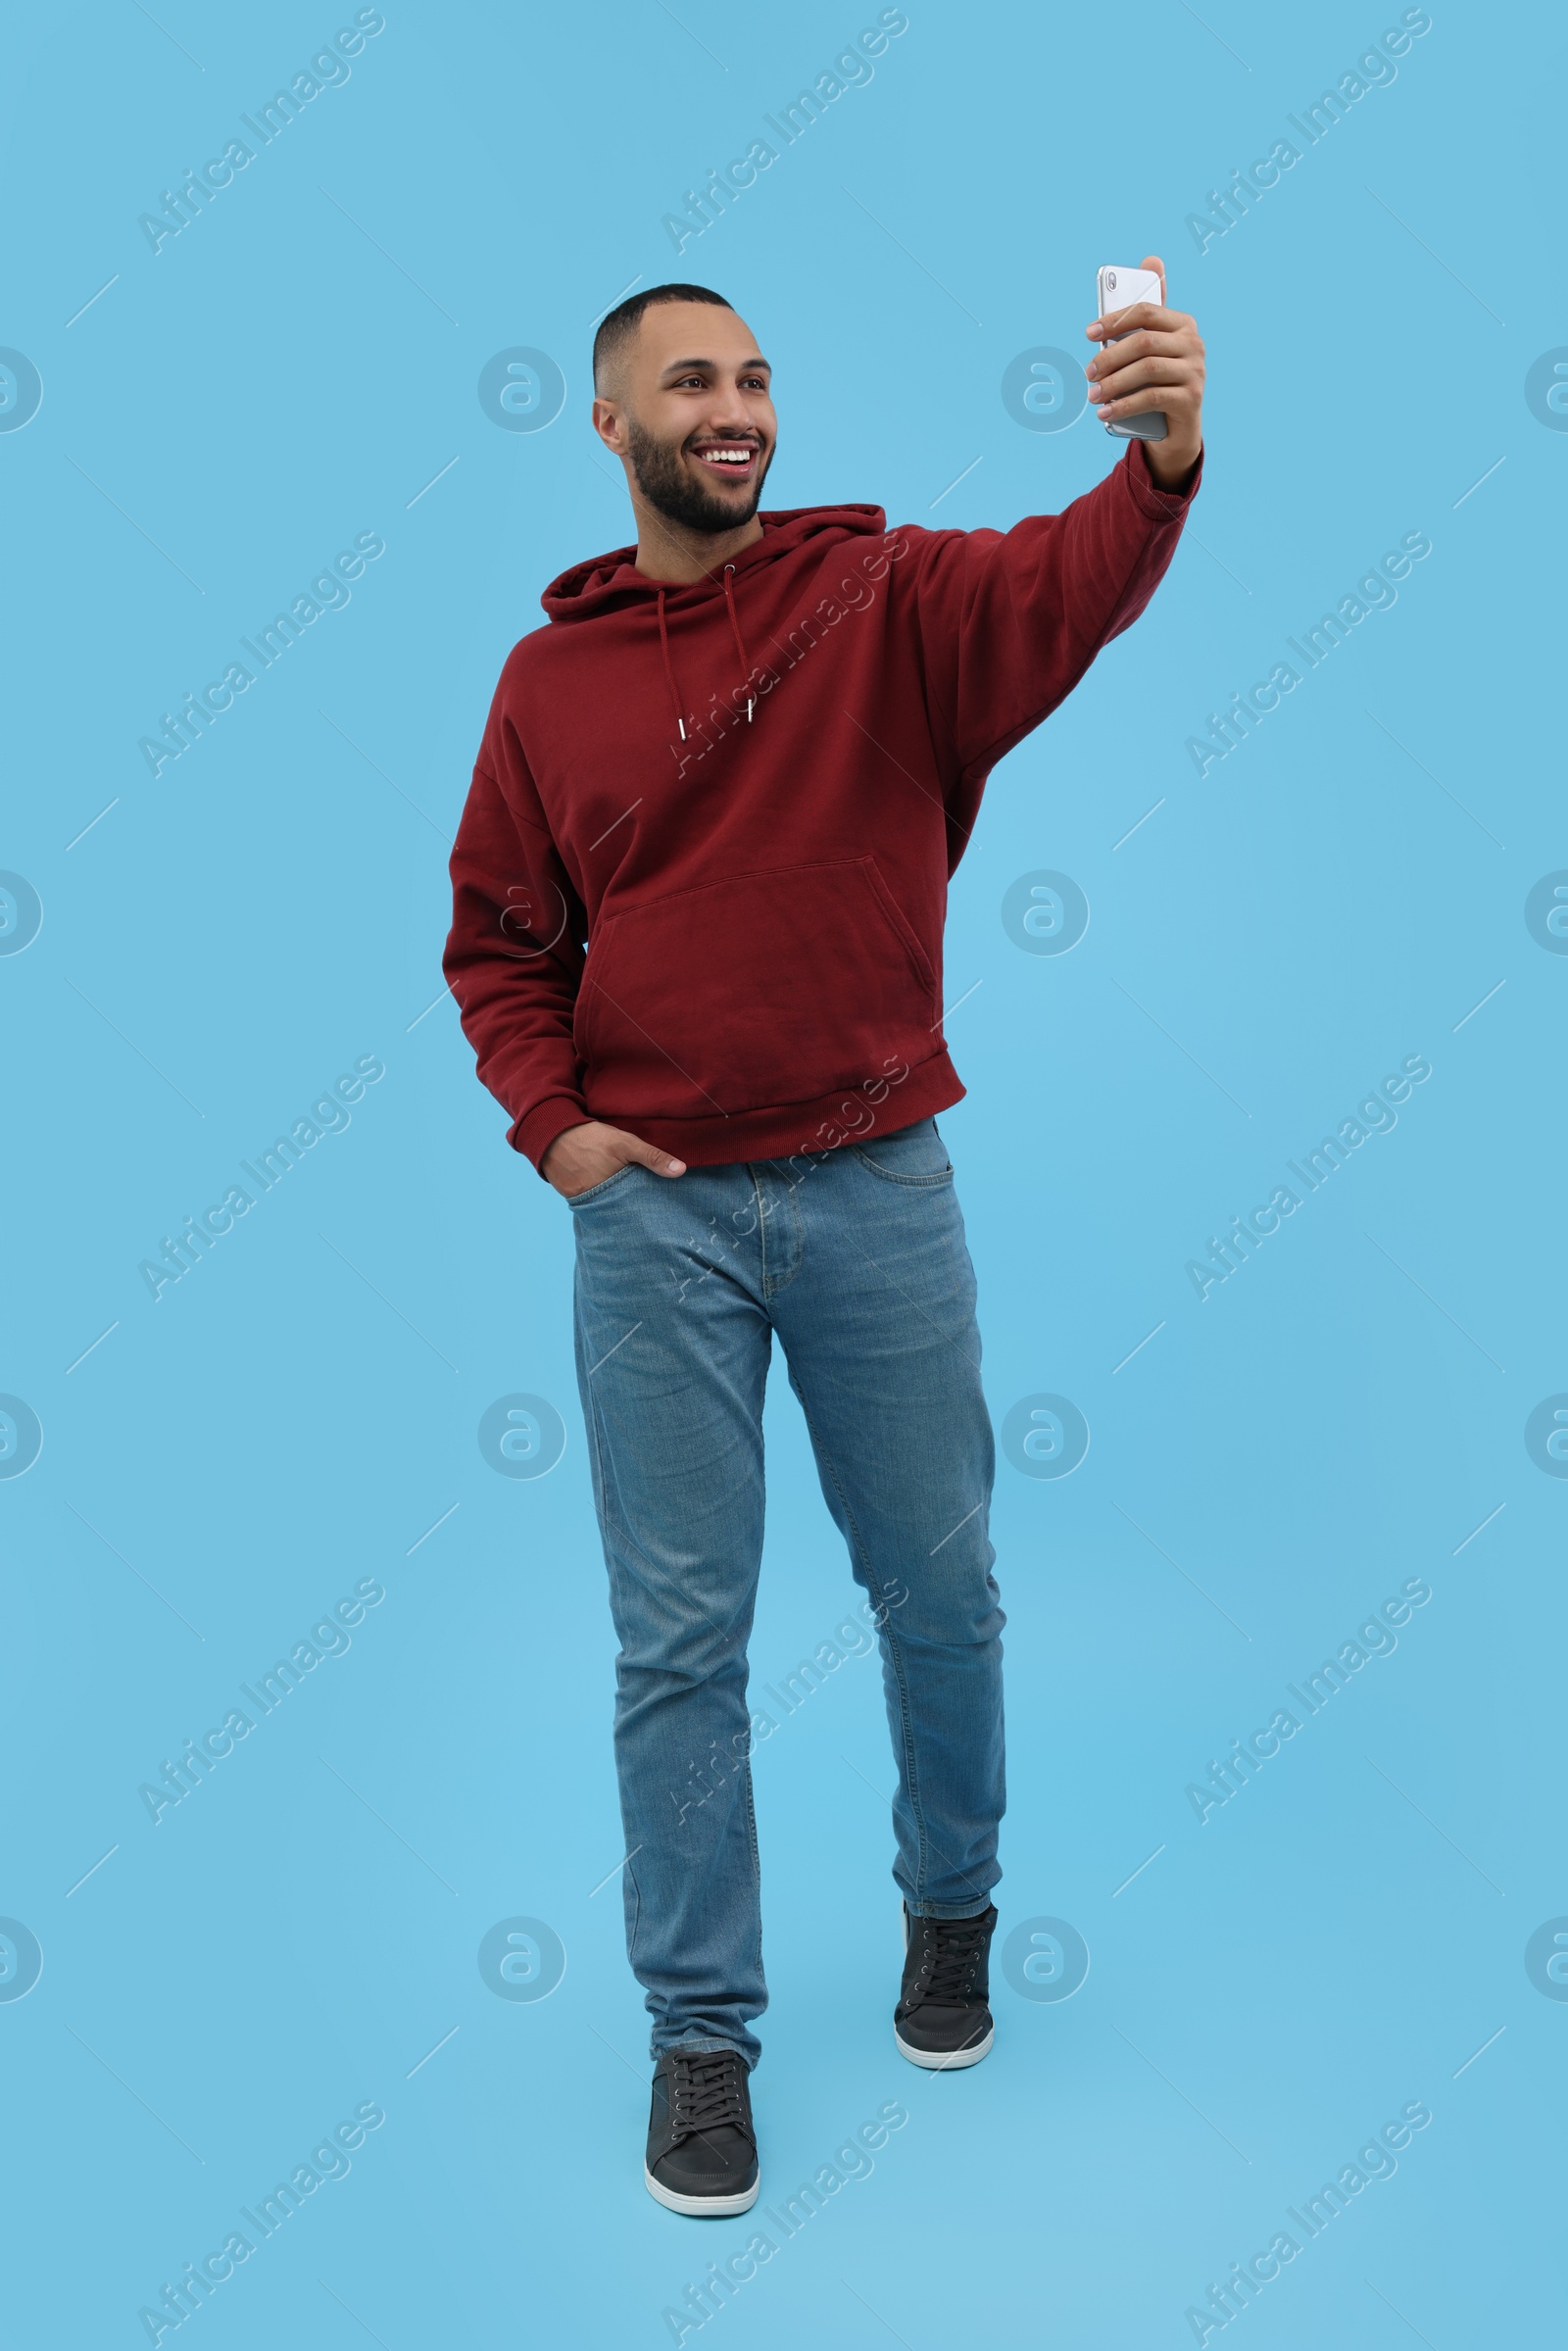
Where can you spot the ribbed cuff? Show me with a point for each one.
(535, 1131)
(1159, 506)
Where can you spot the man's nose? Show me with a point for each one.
(730, 414)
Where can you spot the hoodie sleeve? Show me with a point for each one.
(514, 956)
(1009, 621)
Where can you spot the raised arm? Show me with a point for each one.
(1009, 621)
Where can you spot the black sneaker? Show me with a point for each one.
(702, 2148)
(942, 2018)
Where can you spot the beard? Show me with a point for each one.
(669, 488)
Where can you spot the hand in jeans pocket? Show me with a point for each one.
(591, 1152)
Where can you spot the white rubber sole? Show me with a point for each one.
(937, 2064)
(702, 2208)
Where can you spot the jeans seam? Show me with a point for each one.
(873, 1585)
(590, 1414)
(772, 1283)
(915, 1182)
(613, 1523)
(636, 1919)
(757, 1869)
(608, 1512)
(762, 1230)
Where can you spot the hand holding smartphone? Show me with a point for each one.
(1118, 289)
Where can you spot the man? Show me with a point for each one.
(699, 888)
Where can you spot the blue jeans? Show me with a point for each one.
(856, 1258)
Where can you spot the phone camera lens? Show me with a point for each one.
(1110, 280)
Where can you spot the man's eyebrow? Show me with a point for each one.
(747, 366)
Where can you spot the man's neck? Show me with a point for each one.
(677, 556)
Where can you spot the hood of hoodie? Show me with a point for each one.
(608, 583)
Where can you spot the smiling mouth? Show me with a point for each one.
(736, 460)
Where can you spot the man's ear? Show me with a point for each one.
(607, 424)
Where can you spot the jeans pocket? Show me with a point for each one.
(913, 1155)
(579, 1200)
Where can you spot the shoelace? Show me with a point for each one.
(706, 2093)
(957, 1946)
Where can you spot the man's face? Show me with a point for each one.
(693, 415)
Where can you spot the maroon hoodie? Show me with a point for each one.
(701, 877)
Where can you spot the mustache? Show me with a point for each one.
(693, 501)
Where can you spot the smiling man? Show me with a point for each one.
(700, 885)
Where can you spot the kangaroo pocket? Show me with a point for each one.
(751, 993)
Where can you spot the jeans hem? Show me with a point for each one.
(701, 2048)
(948, 1910)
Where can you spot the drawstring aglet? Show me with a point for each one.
(681, 723)
(749, 707)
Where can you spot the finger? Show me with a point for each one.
(1181, 393)
(1159, 376)
(1169, 400)
(1152, 261)
(1136, 314)
(1144, 344)
(1140, 373)
(1145, 315)
(646, 1155)
(1173, 385)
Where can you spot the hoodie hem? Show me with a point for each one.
(811, 1127)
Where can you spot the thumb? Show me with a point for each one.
(1152, 261)
(660, 1161)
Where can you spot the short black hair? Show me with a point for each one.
(617, 326)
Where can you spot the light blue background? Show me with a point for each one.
(293, 1940)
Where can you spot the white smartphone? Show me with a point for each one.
(1118, 288)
